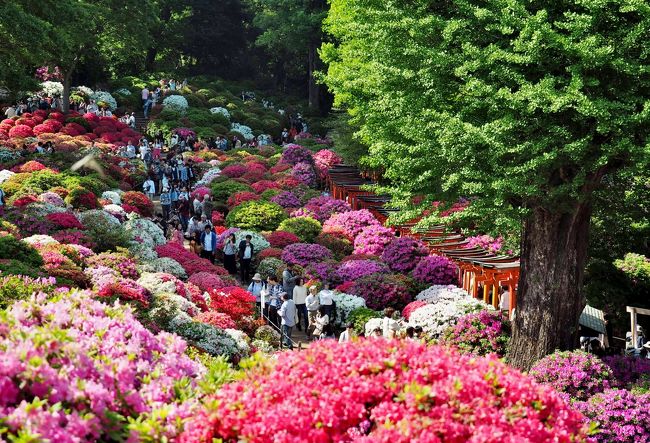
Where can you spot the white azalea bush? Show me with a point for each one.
(208, 177)
(176, 103)
(220, 110)
(346, 303)
(163, 264)
(85, 90)
(244, 130)
(40, 239)
(87, 217)
(123, 91)
(5, 175)
(258, 241)
(144, 230)
(105, 97)
(52, 88)
(436, 293)
(113, 196)
(116, 211)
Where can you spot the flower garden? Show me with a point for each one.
(110, 333)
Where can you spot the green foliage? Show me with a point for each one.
(18, 288)
(256, 216)
(360, 316)
(218, 371)
(636, 267)
(16, 267)
(221, 190)
(306, 228)
(107, 236)
(271, 267)
(14, 249)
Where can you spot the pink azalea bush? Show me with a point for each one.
(304, 173)
(479, 333)
(304, 254)
(217, 319)
(484, 242)
(281, 239)
(324, 207)
(436, 270)
(324, 160)
(207, 281)
(404, 253)
(385, 392)
(351, 223)
(621, 416)
(77, 370)
(373, 240)
(578, 374)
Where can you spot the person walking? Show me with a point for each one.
(289, 279)
(312, 304)
(206, 207)
(246, 251)
(166, 203)
(274, 300)
(208, 243)
(149, 188)
(299, 298)
(256, 287)
(229, 254)
(287, 314)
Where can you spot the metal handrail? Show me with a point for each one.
(279, 329)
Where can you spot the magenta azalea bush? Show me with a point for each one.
(304, 172)
(628, 370)
(436, 270)
(304, 254)
(286, 199)
(294, 154)
(351, 222)
(485, 242)
(385, 392)
(403, 253)
(77, 370)
(373, 240)
(353, 270)
(621, 416)
(577, 374)
(383, 291)
(480, 333)
(324, 207)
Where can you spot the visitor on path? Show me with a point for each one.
(206, 207)
(229, 255)
(289, 279)
(322, 327)
(246, 252)
(193, 233)
(208, 243)
(390, 327)
(312, 304)
(149, 188)
(196, 205)
(166, 203)
(176, 234)
(2, 199)
(273, 300)
(287, 314)
(183, 209)
(256, 287)
(130, 150)
(145, 95)
(504, 301)
(236, 142)
(299, 298)
(326, 300)
(347, 335)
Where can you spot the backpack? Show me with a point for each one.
(2, 197)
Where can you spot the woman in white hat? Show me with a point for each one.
(256, 287)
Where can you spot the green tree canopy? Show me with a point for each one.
(523, 105)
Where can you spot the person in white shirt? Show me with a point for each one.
(390, 327)
(322, 324)
(504, 301)
(287, 313)
(312, 304)
(326, 300)
(130, 150)
(347, 334)
(145, 95)
(10, 111)
(149, 188)
(299, 298)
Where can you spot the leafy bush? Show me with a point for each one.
(339, 245)
(14, 249)
(271, 267)
(80, 197)
(257, 216)
(306, 228)
(19, 287)
(222, 190)
(481, 333)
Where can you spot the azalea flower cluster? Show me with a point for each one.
(481, 333)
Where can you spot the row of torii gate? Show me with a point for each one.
(481, 273)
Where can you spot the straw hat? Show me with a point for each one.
(257, 277)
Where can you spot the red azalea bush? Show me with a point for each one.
(206, 281)
(234, 301)
(436, 270)
(234, 170)
(385, 392)
(25, 200)
(140, 201)
(269, 252)
(74, 237)
(31, 166)
(281, 239)
(263, 185)
(217, 319)
(196, 296)
(64, 220)
(198, 264)
(289, 183)
(80, 197)
(177, 252)
(21, 131)
(218, 219)
(241, 197)
(345, 287)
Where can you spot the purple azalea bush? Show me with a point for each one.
(436, 270)
(403, 253)
(353, 270)
(324, 207)
(384, 291)
(305, 173)
(628, 370)
(578, 374)
(372, 240)
(304, 254)
(294, 154)
(286, 199)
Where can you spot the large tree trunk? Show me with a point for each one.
(314, 92)
(66, 91)
(549, 297)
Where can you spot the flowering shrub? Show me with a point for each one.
(286, 199)
(324, 160)
(577, 373)
(324, 207)
(114, 377)
(207, 281)
(126, 290)
(234, 170)
(234, 301)
(628, 370)
(351, 223)
(51, 198)
(144, 230)
(353, 270)
(256, 216)
(241, 197)
(360, 316)
(216, 319)
(345, 304)
(436, 270)
(621, 416)
(408, 310)
(140, 201)
(124, 265)
(480, 333)
(64, 220)
(303, 254)
(372, 240)
(403, 253)
(280, 238)
(113, 196)
(176, 103)
(264, 185)
(304, 173)
(441, 293)
(383, 290)
(166, 265)
(294, 154)
(105, 97)
(381, 391)
(244, 130)
(222, 111)
(306, 228)
(19, 287)
(484, 242)
(436, 318)
(270, 267)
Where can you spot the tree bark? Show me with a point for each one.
(549, 297)
(314, 92)
(65, 100)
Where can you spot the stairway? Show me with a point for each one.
(141, 122)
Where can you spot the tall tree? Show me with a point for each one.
(525, 105)
(292, 29)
